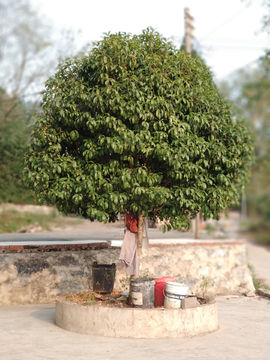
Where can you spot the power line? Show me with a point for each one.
(230, 40)
(18, 98)
(233, 47)
(240, 68)
(224, 23)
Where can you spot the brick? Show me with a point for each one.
(189, 302)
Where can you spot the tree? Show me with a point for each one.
(255, 94)
(14, 135)
(29, 53)
(137, 125)
(250, 91)
(23, 44)
(266, 18)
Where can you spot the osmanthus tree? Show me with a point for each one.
(137, 125)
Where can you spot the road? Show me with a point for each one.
(89, 232)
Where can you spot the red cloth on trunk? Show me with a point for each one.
(132, 223)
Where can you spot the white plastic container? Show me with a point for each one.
(174, 293)
(172, 303)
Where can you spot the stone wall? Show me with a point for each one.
(37, 274)
(218, 267)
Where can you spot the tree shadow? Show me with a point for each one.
(45, 314)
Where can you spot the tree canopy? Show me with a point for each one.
(137, 125)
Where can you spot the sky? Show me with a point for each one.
(226, 32)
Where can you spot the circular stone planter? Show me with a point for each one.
(135, 322)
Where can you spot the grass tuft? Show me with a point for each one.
(258, 283)
(13, 221)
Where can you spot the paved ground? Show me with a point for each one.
(28, 332)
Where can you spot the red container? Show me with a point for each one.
(160, 284)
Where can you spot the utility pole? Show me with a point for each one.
(189, 30)
(189, 33)
(243, 205)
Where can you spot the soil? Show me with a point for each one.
(115, 299)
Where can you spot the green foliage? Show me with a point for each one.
(29, 53)
(14, 135)
(137, 125)
(207, 283)
(250, 91)
(194, 52)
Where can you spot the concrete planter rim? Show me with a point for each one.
(98, 320)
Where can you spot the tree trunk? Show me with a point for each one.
(125, 217)
(139, 250)
(139, 240)
(197, 226)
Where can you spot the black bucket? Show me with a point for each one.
(143, 292)
(103, 277)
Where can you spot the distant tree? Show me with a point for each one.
(256, 94)
(14, 135)
(22, 45)
(250, 92)
(266, 17)
(29, 53)
(137, 126)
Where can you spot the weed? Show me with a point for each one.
(207, 282)
(146, 275)
(91, 302)
(258, 283)
(125, 283)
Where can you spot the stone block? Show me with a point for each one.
(263, 292)
(190, 302)
(250, 293)
(209, 298)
